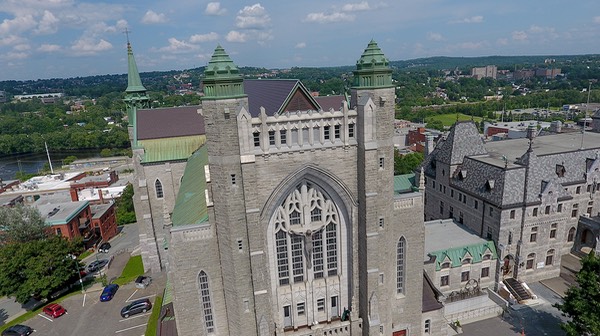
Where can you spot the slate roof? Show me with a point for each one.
(430, 295)
(330, 102)
(272, 94)
(445, 238)
(462, 140)
(190, 206)
(169, 122)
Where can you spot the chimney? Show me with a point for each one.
(429, 144)
(74, 195)
(101, 196)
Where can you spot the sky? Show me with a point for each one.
(70, 38)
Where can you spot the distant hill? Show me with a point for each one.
(96, 86)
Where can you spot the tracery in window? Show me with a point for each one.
(306, 235)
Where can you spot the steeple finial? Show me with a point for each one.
(134, 82)
(222, 78)
(373, 69)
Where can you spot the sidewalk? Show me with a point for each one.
(570, 265)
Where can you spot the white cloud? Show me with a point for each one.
(152, 17)
(252, 17)
(435, 37)
(22, 47)
(49, 48)
(214, 8)
(235, 36)
(328, 18)
(597, 19)
(88, 46)
(519, 35)
(177, 46)
(300, 45)
(355, 7)
(15, 55)
(48, 24)
(502, 41)
(18, 24)
(121, 24)
(470, 45)
(472, 19)
(199, 38)
(10, 40)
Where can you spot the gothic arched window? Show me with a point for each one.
(206, 302)
(400, 265)
(306, 235)
(159, 189)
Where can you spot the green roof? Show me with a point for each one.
(373, 69)
(456, 254)
(134, 82)
(190, 206)
(222, 78)
(170, 149)
(404, 183)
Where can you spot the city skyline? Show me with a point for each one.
(70, 38)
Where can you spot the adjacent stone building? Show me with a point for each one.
(527, 195)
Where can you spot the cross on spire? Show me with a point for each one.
(126, 32)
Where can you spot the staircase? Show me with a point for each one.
(516, 289)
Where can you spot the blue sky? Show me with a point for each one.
(69, 38)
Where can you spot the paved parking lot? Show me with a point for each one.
(91, 317)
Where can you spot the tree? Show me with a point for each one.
(406, 164)
(125, 209)
(582, 302)
(435, 124)
(21, 224)
(37, 267)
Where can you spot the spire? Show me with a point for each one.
(222, 71)
(373, 69)
(134, 82)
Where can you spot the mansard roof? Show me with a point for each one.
(462, 140)
(169, 122)
(278, 96)
(446, 239)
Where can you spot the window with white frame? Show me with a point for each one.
(206, 302)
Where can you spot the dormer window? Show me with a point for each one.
(489, 185)
(466, 261)
(560, 170)
(445, 265)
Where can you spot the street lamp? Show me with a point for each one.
(78, 272)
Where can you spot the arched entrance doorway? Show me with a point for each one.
(508, 264)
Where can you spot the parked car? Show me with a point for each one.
(136, 307)
(18, 330)
(108, 292)
(54, 310)
(143, 281)
(104, 247)
(96, 265)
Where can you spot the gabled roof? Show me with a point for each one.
(278, 96)
(190, 206)
(169, 122)
(330, 102)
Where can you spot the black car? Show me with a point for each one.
(18, 330)
(136, 307)
(104, 247)
(96, 265)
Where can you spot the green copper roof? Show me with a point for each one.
(170, 149)
(456, 254)
(190, 206)
(222, 78)
(373, 69)
(134, 82)
(404, 183)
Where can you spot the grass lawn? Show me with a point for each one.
(132, 270)
(153, 320)
(450, 119)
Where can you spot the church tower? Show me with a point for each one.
(135, 95)
(391, 238)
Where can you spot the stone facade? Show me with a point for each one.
(528, 201)
(304, 234)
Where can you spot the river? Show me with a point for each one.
(34, 162)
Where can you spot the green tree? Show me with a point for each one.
(406, 164)
(435, 124)
(69, 159)
(582, 302)
(125, 210)
(21, 224)
(105, 152)
(37, 267)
